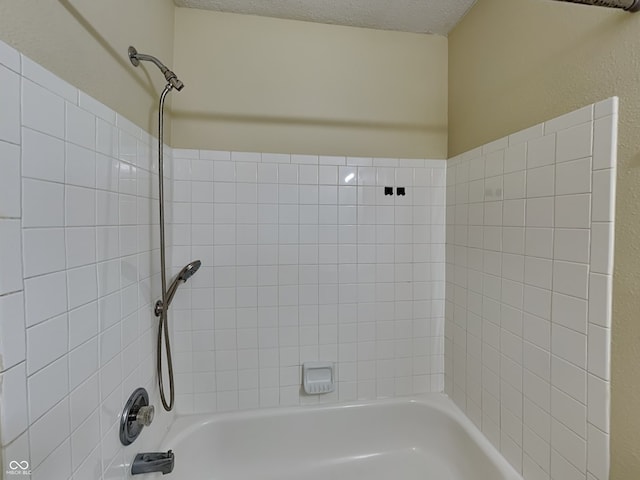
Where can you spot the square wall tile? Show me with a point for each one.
(599, 402)
(571, 119)
(80, 127)
(600, 299)
(10, 180)
(43, 156)
(605, 142)
(80, 166)
(42, 109)
(603, 200)
(47, 387)
(10, 256)
(46, 342)
(12, 330)
(45, 297)
(13, 415)
(602, 236)
(10, 57)
(540, 181)
(48, 80)
(598, 456)
(10, 101)
(541, 151)
(42, 204)
(573, 177)
(574, 143)
(98, 109)
(572, 245)
(80, 246)
(44, 251)
(83, 363)
(82, 286)
(48, 432)
(80, 206)
(58, 463)
(573, 211)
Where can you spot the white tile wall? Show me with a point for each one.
(78, 274)
(305, 258)
(528, 294)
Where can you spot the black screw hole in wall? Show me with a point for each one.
(400, 191)
(388, 190)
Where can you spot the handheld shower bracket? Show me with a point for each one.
(157, 310)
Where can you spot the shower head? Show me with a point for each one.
(170, 76)
(185, 274)
(191, 268)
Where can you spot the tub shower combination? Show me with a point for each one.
(415, 437)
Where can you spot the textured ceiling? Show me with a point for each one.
(419, 16)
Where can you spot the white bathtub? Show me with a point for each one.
(420, 438)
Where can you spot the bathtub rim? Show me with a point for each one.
(185, 424)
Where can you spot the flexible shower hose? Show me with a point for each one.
(164, 325)
(164, 317)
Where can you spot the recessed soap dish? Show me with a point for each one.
(318, 377)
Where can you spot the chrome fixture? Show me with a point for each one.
(184, 275)
(628, 5)
(171, 77)
(153, 462)
(172, 82)
(136, 415)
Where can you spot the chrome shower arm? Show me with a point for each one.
(143, 57)
(169, 75)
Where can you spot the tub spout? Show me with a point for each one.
(153, 462)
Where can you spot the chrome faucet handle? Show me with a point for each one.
(145, 415)
(136, 415)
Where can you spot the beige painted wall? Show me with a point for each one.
(85, 42)
(252, 83)
(263, 84)
(515, 63)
